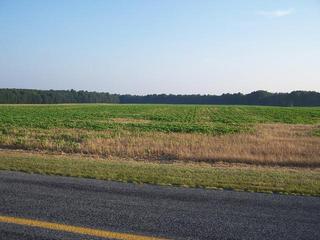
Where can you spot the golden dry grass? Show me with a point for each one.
(270, 144)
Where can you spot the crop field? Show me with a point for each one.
(150, 118)
(227, 136)
(254, 135)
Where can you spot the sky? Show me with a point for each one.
(160, 46)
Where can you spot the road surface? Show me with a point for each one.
(76, 207)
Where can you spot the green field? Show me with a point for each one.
(135, 143)
(162, 118)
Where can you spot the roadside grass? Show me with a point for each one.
(242, 178)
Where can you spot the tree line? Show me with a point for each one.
(55, 96)
(295, 98)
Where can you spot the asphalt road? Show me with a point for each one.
(167, 212)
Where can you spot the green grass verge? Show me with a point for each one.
(287, 181)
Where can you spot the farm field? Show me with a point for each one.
(241, 137)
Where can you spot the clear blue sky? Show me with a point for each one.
(160, 46)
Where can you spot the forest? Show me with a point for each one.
(30, 96)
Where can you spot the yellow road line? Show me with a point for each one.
(74, 229)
